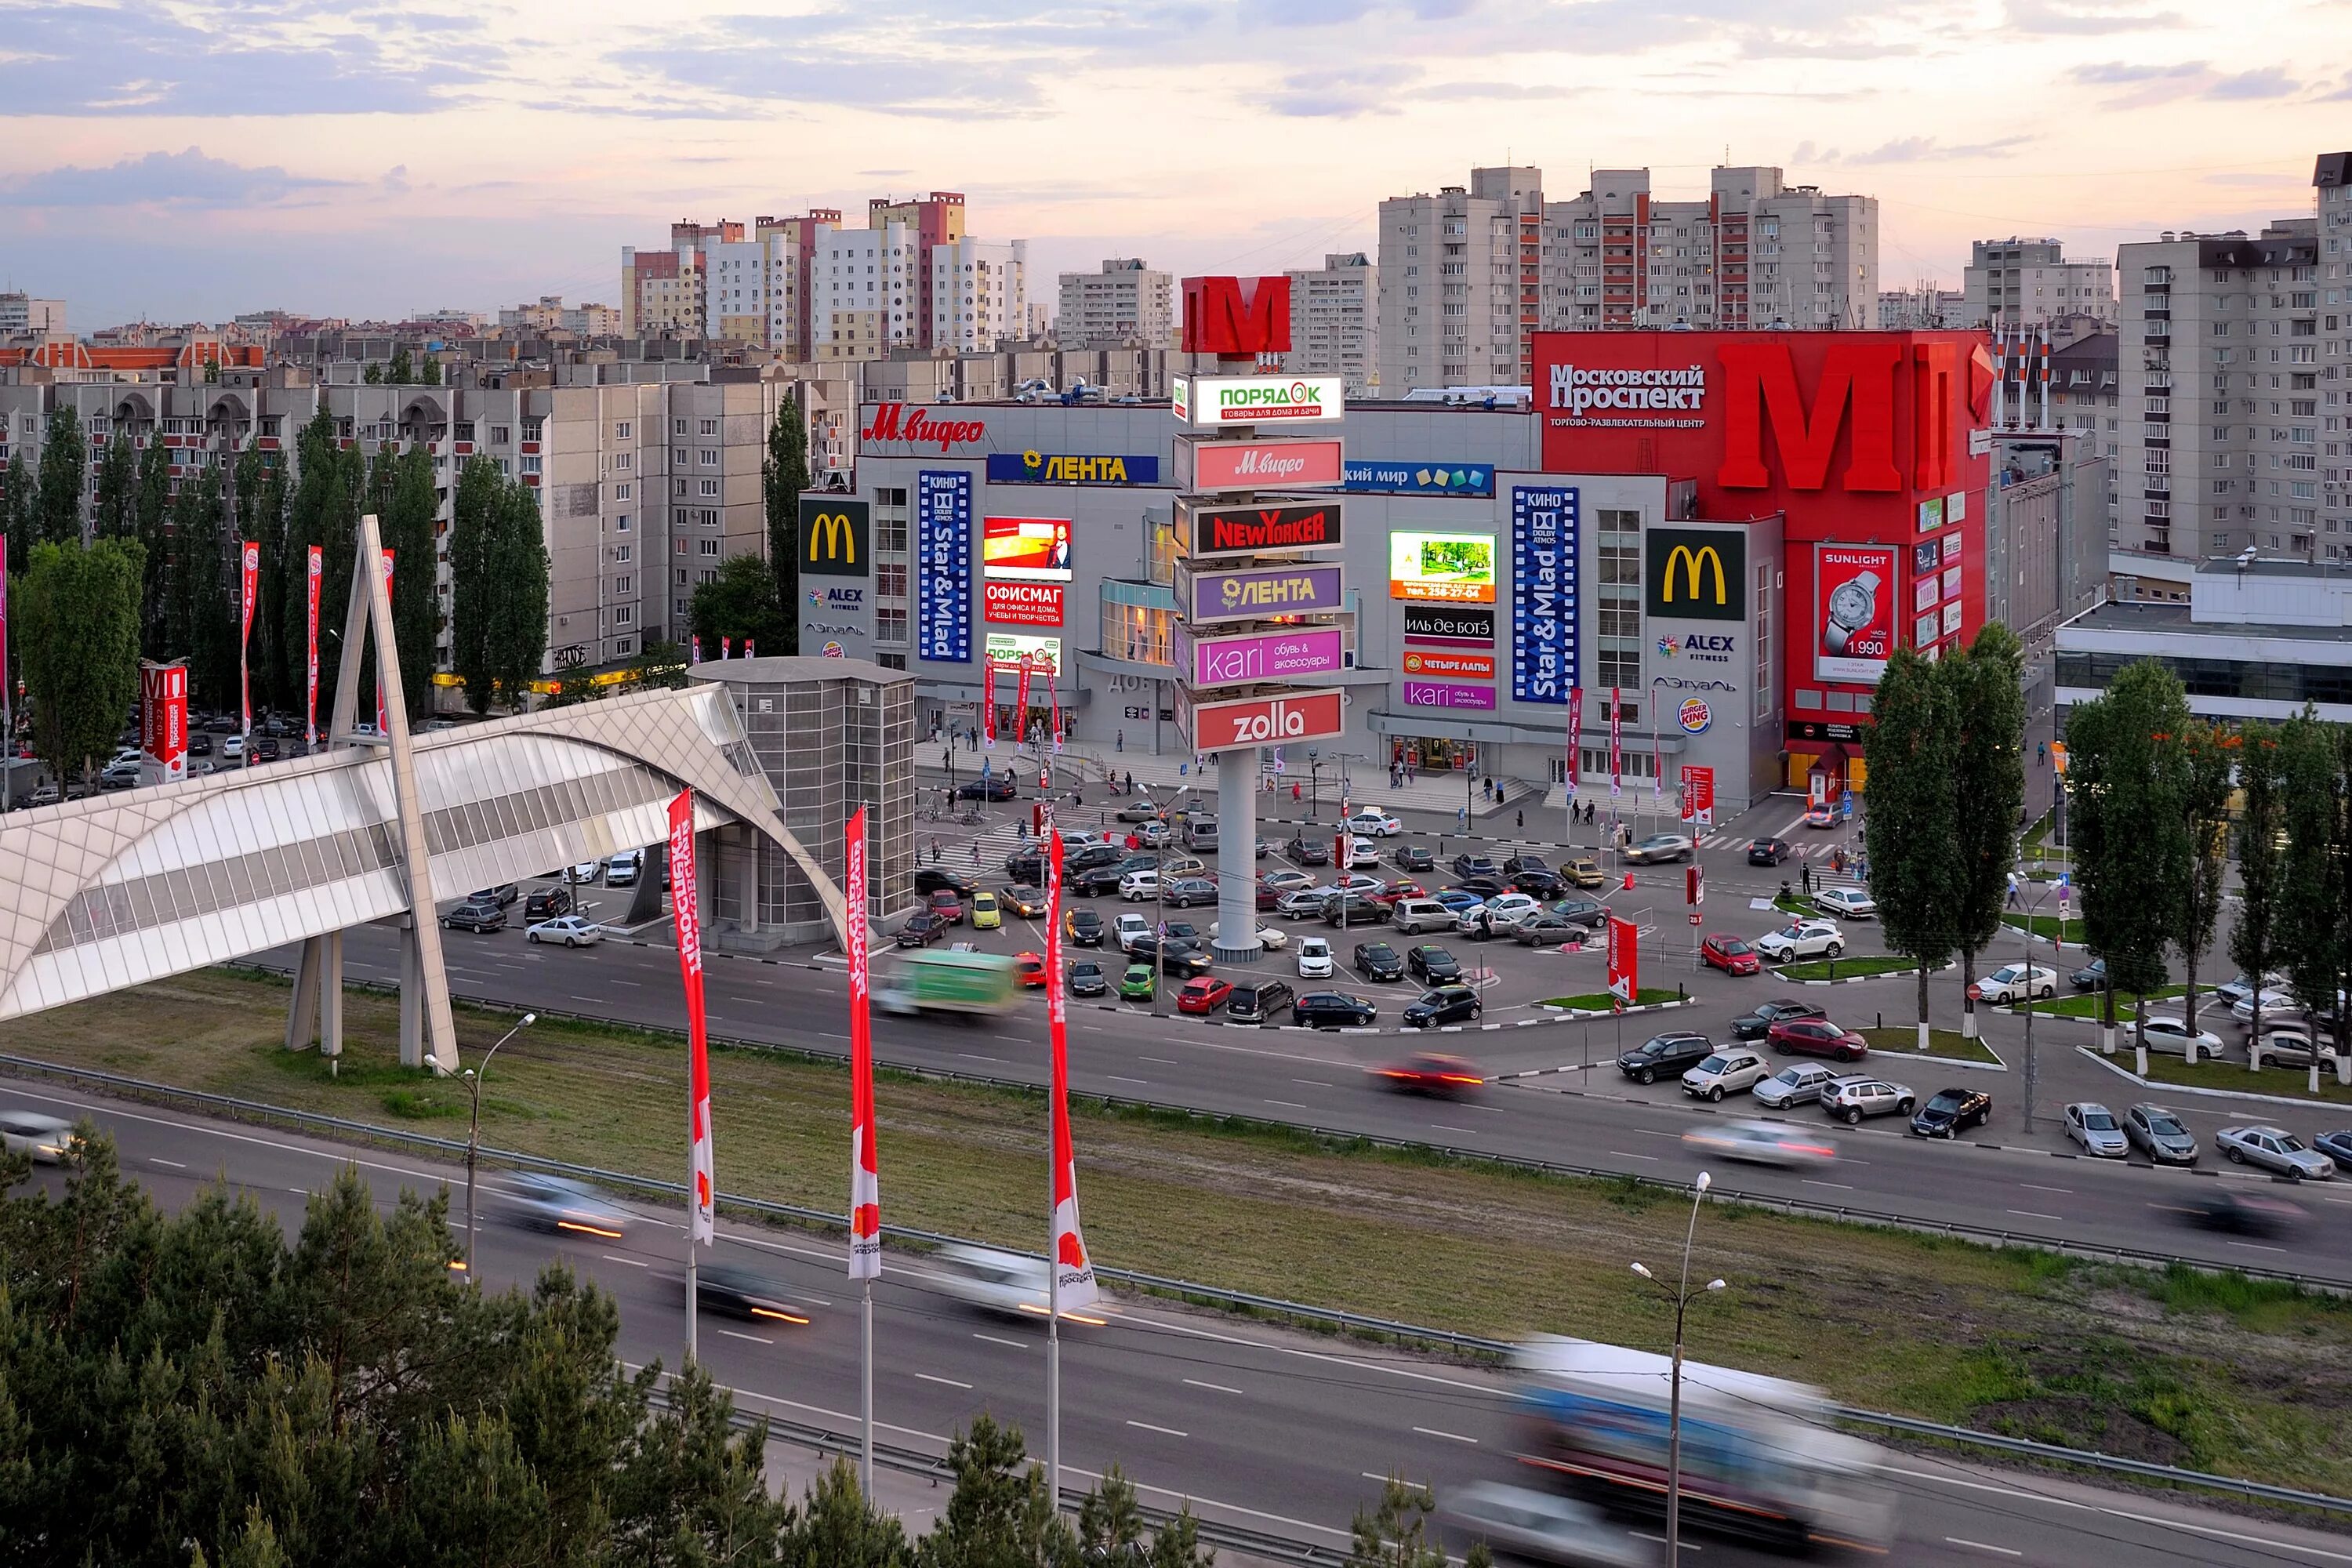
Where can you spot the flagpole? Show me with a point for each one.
(866, 1387)
(1053, 847)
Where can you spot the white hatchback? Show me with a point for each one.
(1725, 1072)
(1138, 887)
(1314, 958)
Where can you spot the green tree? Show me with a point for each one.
(2130, 832)
(521, 572)
(116, 511)
(2254, 936)
(740, 603)
(205, 601)
(784, 475)
(1989, 785)
(57, 501)
(151, 521)
(473, 530)
(574, 687)
(1110, 1531)
(998, 1515)
(2201, 762)
(407, 531)
(1394, 1532)
(1912, 830)
(373, 374)
(2311, 896)
(658, 666)
(77, 627)
(17, 489)
(428, 372)
(835, 1527)
(401, 371)
(258, 504)
(323, 508)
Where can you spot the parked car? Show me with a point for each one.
(1766, 851)
(2290, 1046)
(1589, 913)
(1547, 928)
(2095, 1127)
(1761, 1143)
(119, 775)
(1414, 858)
(1443, 1005)
(1302, 903)
(2161, 1134)
(1256, 1001)
(2013, 982)
(1517, 864)
(1669, 1054)
(624, 870)
(505, 895)
(2336, 1146)
(1396, 889)
(1186, 891)
(233, 749)
(1849, 1100)
(1138, 984)
(1377, 961)
(1458, 899)
(922, 929)
(1728, 953)
(1348, 908)
(1759, 1024)
(200, 744)
(1725, 1072)
(546, 903)
(1794, 1085)
(1272, 938)
(1307, 851)
(1432, 964)
(1847, 903)
(475, 916)
(1801, 939)
(1817, 1038)
(1287, 879)
(947, 906)
(1373, 823)
(2275, 1001)
(1585, 872)
(558, 1202)
(1086, 979)
(1469, 865)
(1029, 970)
(1332, 1010)
(2238, 987)
(1658, 848)
(2273, 1149)
(1412, 916)
(1083, 927)
(1363, 853)
(1501, 912)
(1202, 993)
(1139, 887)
(2092, 976)
(1182, 865)
(567, 930)
(2173, 1037)
(1429, 1072)
(1952, 1112)
(996, 786)
(1315, 960)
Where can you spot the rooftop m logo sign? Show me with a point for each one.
(1761, 385)
(1235, 317)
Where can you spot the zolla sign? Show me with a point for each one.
(1211, 402)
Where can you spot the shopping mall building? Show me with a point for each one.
(1731, 531)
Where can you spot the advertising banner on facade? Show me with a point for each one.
(1023, 603)
(943, 565)
(1211, 402)
(248, 556)
(1243, 529)
(865, 1171)
(1034, 468)
(1278, 719)
(1033, 548)
(1214, 466)
(1698, 794)
(1624, 962)
(1575, 723)
(385, 657)
(1543, 593)
(1448, 568)
(1447, 694)
(1260, 656)
(1208, 597)
(162, 722)
(1448, 626)
(1695, 574)
(1853, 619)
(1444, 662)
(1073, 1284)
(1382, 476)
(836, 536)
(1011, 648)
(685, 922)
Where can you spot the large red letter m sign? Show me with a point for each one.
(1856, 377)
(1236, 316)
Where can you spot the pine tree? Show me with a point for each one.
(1912, 831)
(835, 1527)
(116, 511)
(57, 501)
(998, 1515)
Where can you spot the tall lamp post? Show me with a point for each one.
(2025, 941)
(474, 1129)
(1682, 1297)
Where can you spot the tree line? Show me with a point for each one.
(192, 1389)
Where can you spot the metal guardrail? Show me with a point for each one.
(1216, 1295)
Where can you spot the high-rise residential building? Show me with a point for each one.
(1921, 307)
(2031, 281)
(1755, 253)
(21, 313)
(1125, 303)
(670, 290)
(2331, 181)
(2085, 394)
(929, 221)
(1335, 321)
(1459, 280)
(2220, 366)
(979, 293)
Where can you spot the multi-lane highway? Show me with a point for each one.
(1269, 1431)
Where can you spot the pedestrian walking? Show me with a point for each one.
(2013, 895)
(935, 848)
(1523, 820)
(1462, 818)
(1805, 875)
(1119, 741)
(1294, 794)
(2041, 753)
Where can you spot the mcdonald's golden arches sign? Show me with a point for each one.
(836, 536)
(1697, 574)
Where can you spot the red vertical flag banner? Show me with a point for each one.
(1624, 960)
(727, 647)
(1054, 698)
(249, 560)
(8, 740)
(385, 656)
(865, 1173)
(310, 711)
(1020, 705)
(685, 918)
(1575, 727)
(1074, 1270)
(748, 652)
(1616, 741)
(694, 648)
(988, 700)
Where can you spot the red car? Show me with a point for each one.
(947, 907)
(1430, 1072)
(1819, 1037)
(1203, 994)
(1029, 968)
(1389, 892)
(1730, 955)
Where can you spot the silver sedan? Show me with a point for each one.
(2095, 1127)
(2274, 1150)
(1761, 1143)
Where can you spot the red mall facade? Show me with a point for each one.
(1860, 441)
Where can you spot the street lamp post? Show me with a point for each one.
(474, 1129)
(1682, 1297)
(2025, 942)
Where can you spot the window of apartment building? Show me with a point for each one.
(710, 427)
(1765, 669)
(621, 431)
(677, 426)
(534, 430)
(502, 434)
(622, 552)
(709, 456)
(504, 467)
(621, 523)
(624, 462)
(530, 463)
(710, 490)
(706, 547)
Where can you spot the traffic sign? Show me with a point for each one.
(1694, 887)
(1695, 917)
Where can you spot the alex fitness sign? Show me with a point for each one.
(1207, 402)
(1266, 720)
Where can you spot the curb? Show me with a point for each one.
(1861, 979)
(2302, 1101)
(1573, 1014)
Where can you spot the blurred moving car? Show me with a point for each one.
(2274, 1149)
(567, 930)
(1431, 1072)
(2161, 1134)
(1545, 1527)
(740, 1290)
(1658, 848)
(1010, 1283)
(2244, 1214)
(557, 1202)
(45, 1138)
(2095, 1127)
(1761, 1143)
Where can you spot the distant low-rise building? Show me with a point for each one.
(20, 312)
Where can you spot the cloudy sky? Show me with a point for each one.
(177, 160)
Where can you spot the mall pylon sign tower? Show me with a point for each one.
(1257, 604)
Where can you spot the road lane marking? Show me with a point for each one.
(1288, 1104)
(1311, 1082)
(631, 1262)
(969, 1057)
(1163, 1431)
(2257, 1246)
(1116, 1079)
(158, 1160)
(754, 1338)
(1163, 1061)
(2062, 1192)
(2029, 1214)
(2272, 1542)
(1840, 1187)
(1214, 1387)
(950, 1381)
(1622, 1154)
(1982, 1546)
(1016, 1039)
(1449, 1436)
(633, 985)
(1009, 1345)
(1645, 1535)
(1443, 1127)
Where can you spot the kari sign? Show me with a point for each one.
(1022, 604)
(1034, 468)
(1210, 402)
(1543, 594)
(944, 573)
(1442, 662)
(1207, 596)
(1037, 548)
(163, 722)
(1377, 476)
(1624, 960)
(1262, 655)
(1449, 568)
(1214, 466)
(1266, 721)
(1853, 617)
(1245, 530)
(1447, 694)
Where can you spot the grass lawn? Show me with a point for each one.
(1903, 1040)
(2285, 1082)
(2086, 1005)
(1795, 904)
(1845, 968)
(2046, 926)
(1590, 1001)
(2217, 1372)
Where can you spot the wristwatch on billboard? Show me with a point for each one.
(1853, 605)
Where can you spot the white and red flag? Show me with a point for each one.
(248, 554)
(385, 657)
(685, 918)
(310, 711)
(1074, 1270)
(864, 1173)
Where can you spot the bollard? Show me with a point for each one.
(1881, 1020)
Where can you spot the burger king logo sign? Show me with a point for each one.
(1695, 716)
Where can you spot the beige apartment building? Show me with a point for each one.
(1459, 280)
(2031, 281)
(1334, 316)
(1126, 301)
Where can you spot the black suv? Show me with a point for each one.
(1257, 1001)
(1665, 1056)
(1432, 963)
(1952, 1111)
(1092, 855)
(1538, 882)
(1379, 961)
(1467, 865)
(546, 904)
(1446, 1004)
(1756, 1025)
(1028, 868)
(1331, 1010)
(932, 879)
(476, 915)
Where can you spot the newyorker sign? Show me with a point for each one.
(917, 428)
(1235, 529)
